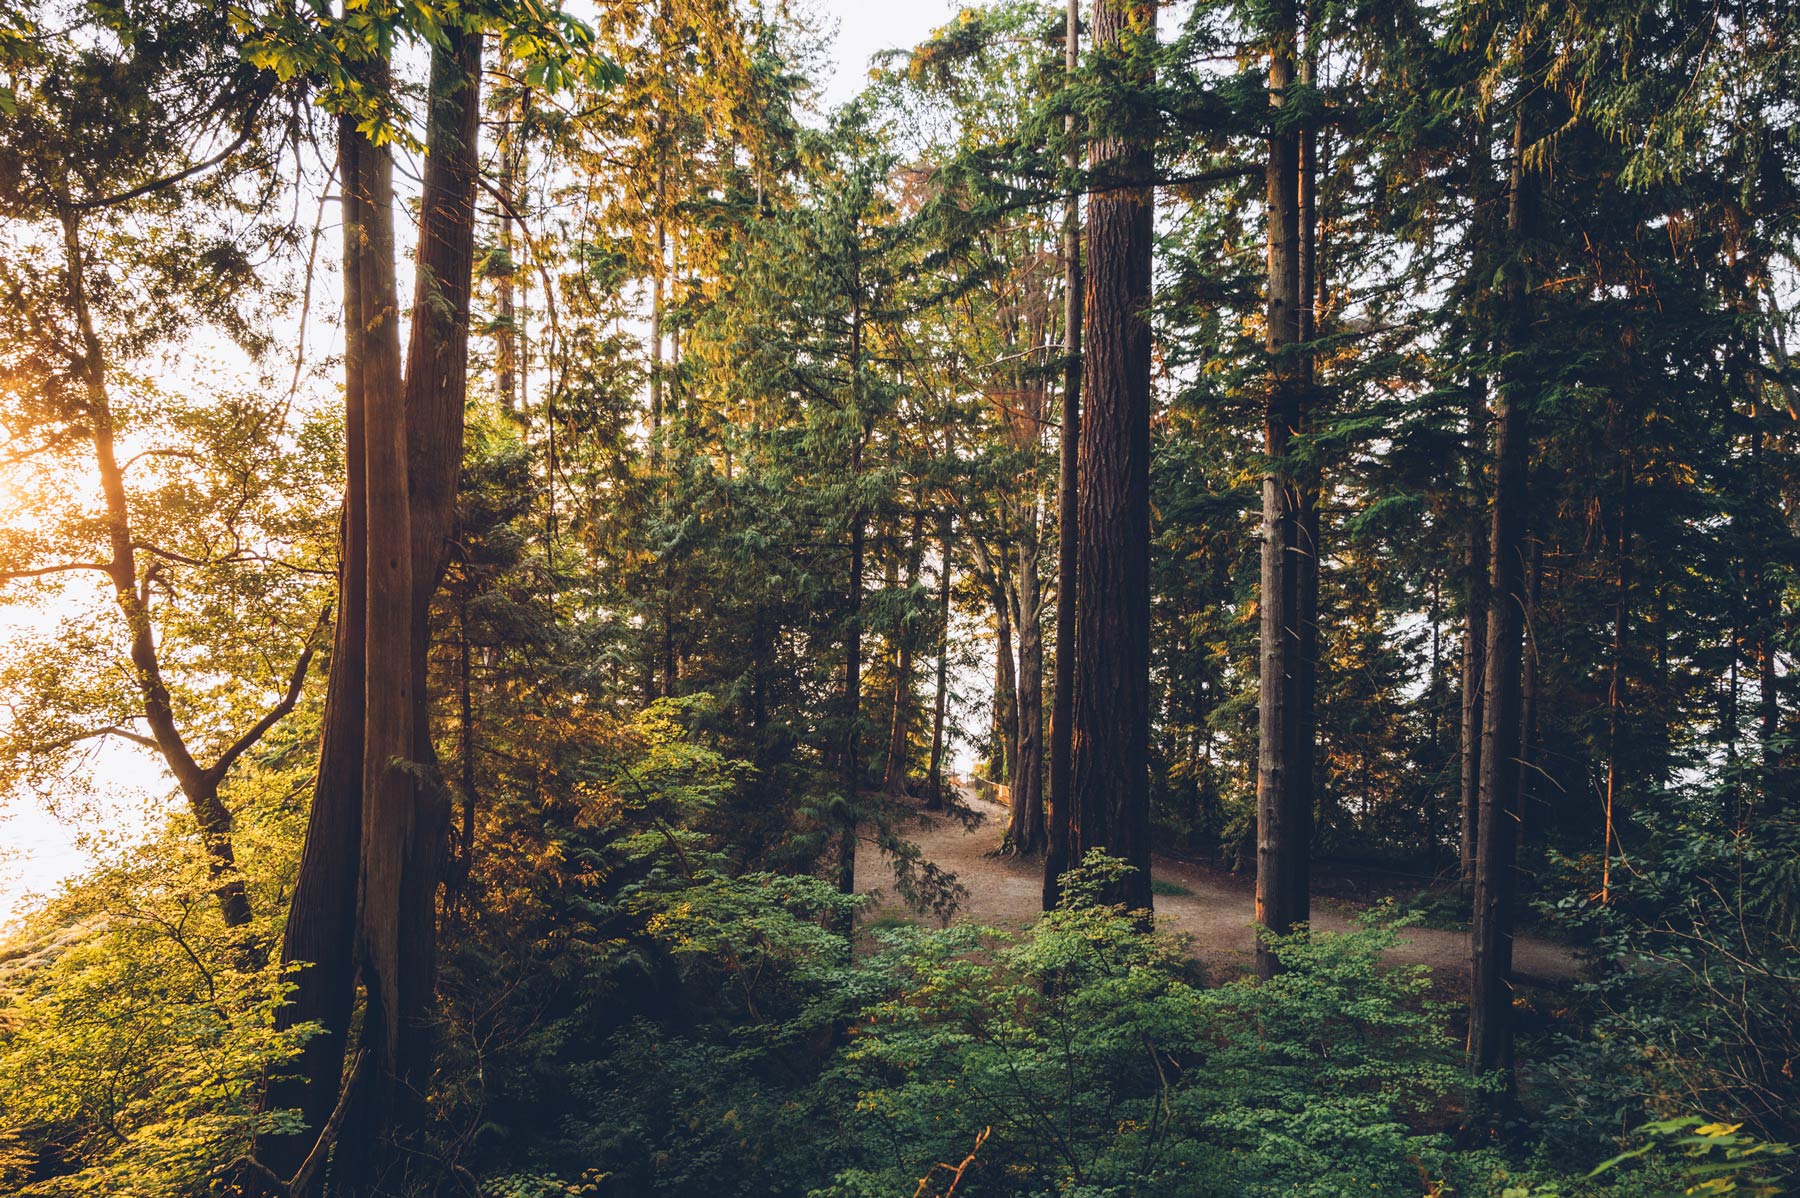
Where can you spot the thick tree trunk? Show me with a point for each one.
(377, 735)
(322, 917)
(1496, 881)
(436, 397)
(389, 745)
(1062, 713)
(1109, 775)
(1280, 828)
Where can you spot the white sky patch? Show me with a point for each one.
(866, 29)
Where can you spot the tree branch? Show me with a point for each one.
(64, 568)
(292, 696)
(144, 189)
(328, 1135)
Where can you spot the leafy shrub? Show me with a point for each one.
(1089, 1059)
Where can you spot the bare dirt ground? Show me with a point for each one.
(1216, 914)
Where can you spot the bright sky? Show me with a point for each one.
(42, 844)
(867, 27)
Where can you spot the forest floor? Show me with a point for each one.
(1216, 912)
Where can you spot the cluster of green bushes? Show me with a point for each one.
(628, 1011)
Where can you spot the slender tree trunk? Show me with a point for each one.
(1475, 616)
(132, 595)
(1302, 777)
(894, 783)
(852, 775)
(935, 801)
(1767, 616)
(1615, 691)
(506, 348)
(1530, 812)
(1280, 834)
(1496, 881)
(1006, 688)
(465, 748)
(1025, 831)
(1109, 773)
(1056, 855)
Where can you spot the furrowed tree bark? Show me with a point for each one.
(322, 917)
(1062, 711)
(1109, 778)
(1496, 882)
(1280, 830)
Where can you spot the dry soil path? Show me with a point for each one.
(1216, 912)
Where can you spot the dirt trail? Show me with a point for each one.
(1216, 913)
